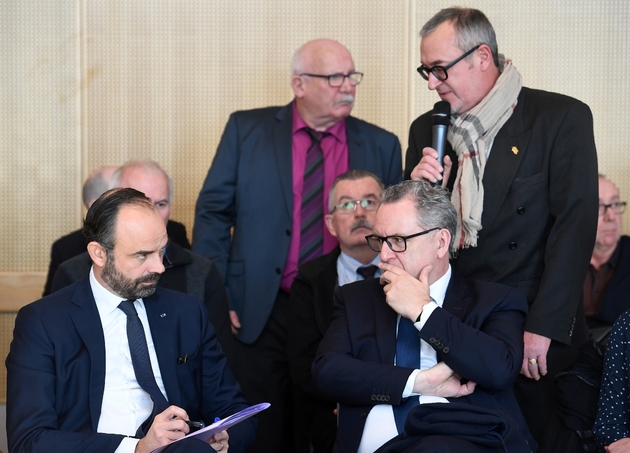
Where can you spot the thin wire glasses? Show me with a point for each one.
(336, 80)
(396, 244)
(349, 206)
(439, 72)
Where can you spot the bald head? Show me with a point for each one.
(316, 54)
(148, 177)
(97, 183)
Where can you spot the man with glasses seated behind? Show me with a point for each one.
(354, 197)
(607, 283)
(522, 167)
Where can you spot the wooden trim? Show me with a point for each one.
(20, 288)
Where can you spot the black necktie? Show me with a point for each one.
(367, 272)
(312, 212)
(407, 355)
(141, 362)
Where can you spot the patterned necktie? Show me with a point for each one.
(367, 272)
(407, 355)
(142, 363)
(312, 224)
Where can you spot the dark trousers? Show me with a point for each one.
(263, 372)
(537, 399)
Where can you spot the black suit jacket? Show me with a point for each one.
(74, 244)
(249, 187)
(186, 272)
(478, 333)
(310, 313)
(540, 206)
(617, 296)
(56, 371)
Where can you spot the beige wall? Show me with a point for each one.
(86, 83)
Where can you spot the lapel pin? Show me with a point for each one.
(163, 315)
(515, 150)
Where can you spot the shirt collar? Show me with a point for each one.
(438, 288)
(337, 130)
(106, 301)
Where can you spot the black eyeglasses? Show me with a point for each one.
(336, 80)
(346, 207)
(439, 72)
(396, 243)
(618, 207)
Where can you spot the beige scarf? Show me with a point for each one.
(470, 135)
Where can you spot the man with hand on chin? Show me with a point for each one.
(114, 363)
(400, 347)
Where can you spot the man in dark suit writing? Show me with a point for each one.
(522, 167)
(405, 341)
(268, 185)
(113, 363)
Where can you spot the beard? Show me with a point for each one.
(125, 287)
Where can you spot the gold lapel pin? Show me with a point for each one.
(515, 150)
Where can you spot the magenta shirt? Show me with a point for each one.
(335, 148)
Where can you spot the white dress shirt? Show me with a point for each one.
(125, 404)
(380, 425)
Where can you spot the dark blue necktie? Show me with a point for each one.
(142, 363)
(367, 272)
(407, 355)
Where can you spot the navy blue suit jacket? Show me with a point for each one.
(56, 371)
(478, 333)
(250, 187)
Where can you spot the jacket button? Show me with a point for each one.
(278, 271)
(432, 340)
(512, 245)
(373, 397)
(445, 350)
(520, 210)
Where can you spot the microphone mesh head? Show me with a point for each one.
(441, 113)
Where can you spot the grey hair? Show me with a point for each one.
(95, 185)
(352, 175)
(472, 26)
(433, 204)
(146, 164)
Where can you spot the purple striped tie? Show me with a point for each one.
(312, 228)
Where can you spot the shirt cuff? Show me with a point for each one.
(127, 445)
(426, 312)
(408, 390)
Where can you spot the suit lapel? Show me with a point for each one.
(506, 155)
(356, 147)
(385, 320)
(88, 324)
(282, 146)
(457, 299)
(162, 320)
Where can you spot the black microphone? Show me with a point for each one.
(441, 119)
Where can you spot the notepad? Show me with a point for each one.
(206, 433)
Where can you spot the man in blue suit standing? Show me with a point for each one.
(113, 363)
(271, 174)
(423, 358)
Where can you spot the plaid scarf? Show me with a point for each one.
(470, 135)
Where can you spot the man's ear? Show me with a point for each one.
(297, 85)
(444, 241)
(328, 218)
(485, 57)
(98, 253)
